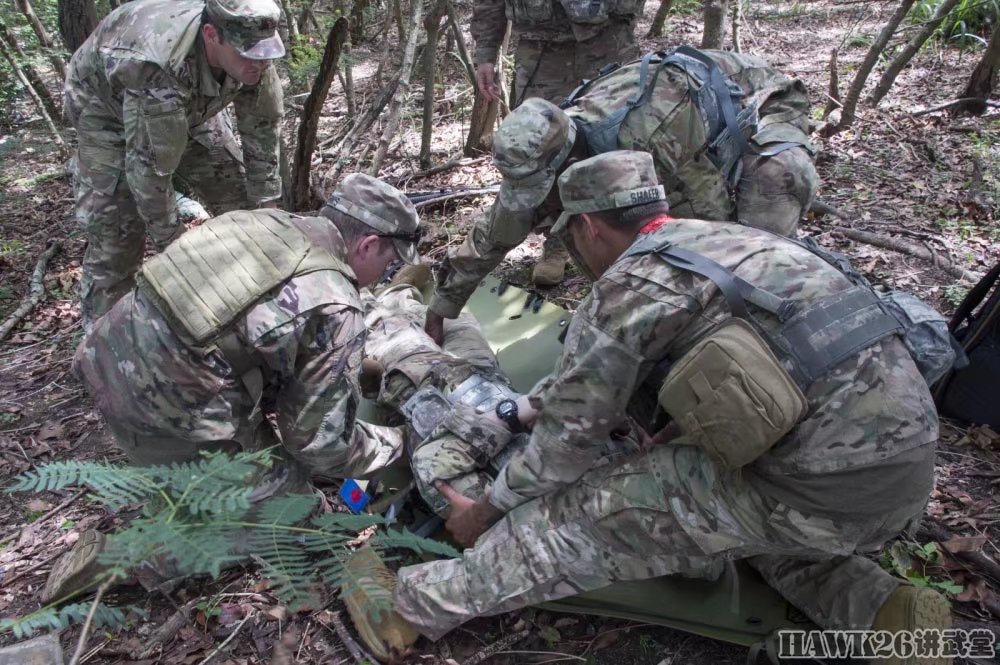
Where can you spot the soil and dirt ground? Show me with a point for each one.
(926, 180)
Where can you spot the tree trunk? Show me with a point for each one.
(714, 35)
(347, 79)
(358, 20)
(302, 193)
(857, 85)
(402, 90)
(433, 26)
(737, 26)
(833, 96)
(11, 58)
(983, 78)
(293, 28)
(397, 14)
(29, 70)
(656, 29)
(903, 57)
(306, 17)
(77, 19)
(24, 6)
(484, 113)
(460, 44)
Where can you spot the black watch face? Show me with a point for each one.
(505, 410)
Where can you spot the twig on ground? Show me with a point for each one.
(61, 506)
(498, 647)
(168, 629)
(30, 569)
(35, 293)
(947, 105)
(85, 632)
(456, 195)
(450, 164)
(898, 245)
(356, 650)
(226, 641)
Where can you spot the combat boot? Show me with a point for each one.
(369, 597)
(551, 268)
(911, 608)
(76, 570)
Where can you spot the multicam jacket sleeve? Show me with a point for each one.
(613, 341)
(156, 131)
(258, 112)
(315, 359)
(489, 21)
(491, 237)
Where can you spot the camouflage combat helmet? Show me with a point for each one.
(617, 179)
(528, 149)
(251, 26)
(382, 207)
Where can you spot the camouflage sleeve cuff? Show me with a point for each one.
(262, 191)
(485, 55)
(502, 497)
(444, 307)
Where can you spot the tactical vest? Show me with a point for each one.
(729, 116)
(210, 275)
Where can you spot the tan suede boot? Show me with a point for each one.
(551, 268)
(369, 597)
(909, 608)
(75, 571)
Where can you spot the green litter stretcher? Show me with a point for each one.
(739, 607)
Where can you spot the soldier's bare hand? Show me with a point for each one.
(469, 519)
(486, 78)
(275, 203)
(434, 326)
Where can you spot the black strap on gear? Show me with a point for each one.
(814, 340)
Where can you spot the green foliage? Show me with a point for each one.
(304, 59)
(197, 518)
(911, 561)
(51, 618)
(955, 294)
(967, 24)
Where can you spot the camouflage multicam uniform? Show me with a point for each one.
(854, 472)
(147, 106)
(458, 449)
(533, 142)
(294, 351)
(559, 43)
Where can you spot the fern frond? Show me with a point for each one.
(287, 510)
(415, 543)
(215, 484)
(50, 618)
(113, 485)
(346, 521)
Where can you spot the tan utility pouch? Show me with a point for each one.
(731, 396)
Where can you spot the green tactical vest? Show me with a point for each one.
(213, 273)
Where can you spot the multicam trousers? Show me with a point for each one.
(211, 170)
(642, 516)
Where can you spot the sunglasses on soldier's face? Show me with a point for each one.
(412, 237)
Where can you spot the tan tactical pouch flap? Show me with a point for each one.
(731, 396)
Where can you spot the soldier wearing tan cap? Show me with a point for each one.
(768, 182)
(847, 472)
(145, 93)
(252, 309)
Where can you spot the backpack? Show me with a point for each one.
(972, 393)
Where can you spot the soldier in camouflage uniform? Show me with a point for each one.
(277, 326)
(537, 141)
(146, 93)
(855, 471)
(559, 43)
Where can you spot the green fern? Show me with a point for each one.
(51, 618)
(198, 518)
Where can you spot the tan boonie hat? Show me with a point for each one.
(251, 26)
(528, 149)
(617, 179)
(382, 207)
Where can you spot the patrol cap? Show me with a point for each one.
(251, 26)
(528, 149)
(382, 207)
(617, 179)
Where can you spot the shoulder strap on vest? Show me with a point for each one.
(813, 340)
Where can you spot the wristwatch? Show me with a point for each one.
(507, 412)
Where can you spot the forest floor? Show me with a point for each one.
(928, 180)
